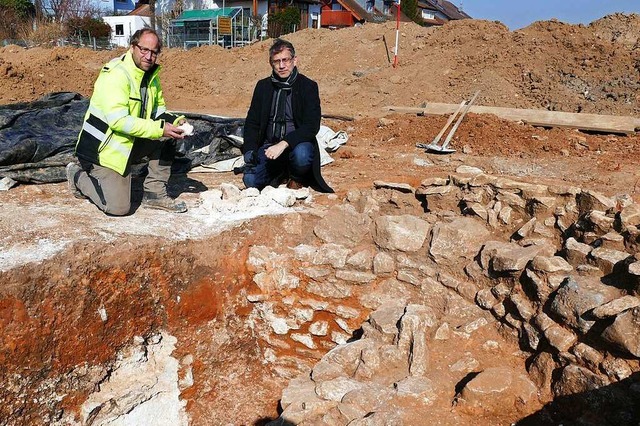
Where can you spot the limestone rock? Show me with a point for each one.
(523, 306)
(357, 277)
(405, 233)
(465, 364)
(468, 170)
(511, 258)
(588, 200)
(460, 239)
(560, 338)
(541, 372)
(616, 368)
(412, 339)
(574, 298)
(259, 257)
(359, 402)
(319, 328)
(144, 382)
(383, 264)
(362, 260)
(576, 252)
(384, 364)
(495, 390)
(402, 187)
(531, 335)
(575, 380)
(600, 222)
(616, 306)
(331, 254)
(277, 279)
(385, 321)
(613, 241)
(630, 215)
(435, 190)
(416, 390)
(534, 284)
(607, 260)
(511, 200)
(335, 389)
(388, 290)
(485, 298)
(624, 332)
(587, 356)
(434, 181)
(476, 209)
(550, 265)
(341, 361)
(527, 229)
(342, 224)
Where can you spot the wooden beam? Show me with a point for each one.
(338, 117)
(537, 117)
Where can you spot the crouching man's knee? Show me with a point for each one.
(249, 180)
(117, 209)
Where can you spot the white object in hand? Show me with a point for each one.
(187, 129)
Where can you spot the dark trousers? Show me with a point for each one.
(296, 163)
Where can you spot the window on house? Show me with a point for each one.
(370, 4)
(426, 14)
(119, 29)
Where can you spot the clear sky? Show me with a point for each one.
(517, 14)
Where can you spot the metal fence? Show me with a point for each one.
(94, 43)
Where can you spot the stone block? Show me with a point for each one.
(404, 233)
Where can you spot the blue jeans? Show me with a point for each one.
(297, 162)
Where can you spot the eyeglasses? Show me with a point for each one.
(144, 51)
(283, 61)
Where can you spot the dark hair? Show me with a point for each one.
(279, 45)
(135, 38)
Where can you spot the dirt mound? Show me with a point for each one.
(549, 65)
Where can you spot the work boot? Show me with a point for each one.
(294, 184)
(72, 170)
(163, 202)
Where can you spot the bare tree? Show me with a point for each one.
(65, 9)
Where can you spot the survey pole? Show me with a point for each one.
(395, 53)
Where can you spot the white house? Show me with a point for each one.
(123, 26)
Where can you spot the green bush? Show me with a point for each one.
(15, 17)
(287, 17)
(23, 9)
(87, 26)
(410, 9)
(284, 21)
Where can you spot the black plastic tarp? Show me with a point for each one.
(37, 138)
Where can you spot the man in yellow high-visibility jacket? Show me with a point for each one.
(126, 121)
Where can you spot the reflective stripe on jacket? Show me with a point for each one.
(115, 117)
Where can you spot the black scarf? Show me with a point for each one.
(282, 89)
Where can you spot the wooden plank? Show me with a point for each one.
(537, 117)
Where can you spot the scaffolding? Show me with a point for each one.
(227, 27)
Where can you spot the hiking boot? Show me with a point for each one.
(163, 202)
(72, 170)
(294, 184)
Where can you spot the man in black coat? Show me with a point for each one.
(281, 126)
